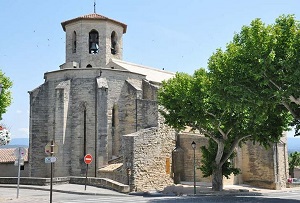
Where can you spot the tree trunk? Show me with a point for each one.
(291, 172)
(217, 178)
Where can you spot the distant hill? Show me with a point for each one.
(17, 142)
(293, 144)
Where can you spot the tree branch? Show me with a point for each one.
(272, 82)
(220, 152)
(233, 146)
(293, 99)
(287, 106)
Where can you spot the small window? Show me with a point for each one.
(113, 115)
(114, 43)
(89, 66)
(74, 42)
(93, 42)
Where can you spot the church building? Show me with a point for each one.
(98, 104)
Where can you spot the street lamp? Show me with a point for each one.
(194, 148)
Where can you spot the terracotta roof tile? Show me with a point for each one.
(7, 155)
(93, 16)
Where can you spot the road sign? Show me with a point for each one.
(20, 152)
(21, 162)
(50, 159)
(88, 159)
(48, 148)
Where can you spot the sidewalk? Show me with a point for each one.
(186, 188)
(202, 188)
(68, 188)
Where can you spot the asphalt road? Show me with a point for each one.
(37, 196)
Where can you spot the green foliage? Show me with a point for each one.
(5, 97)
(208, 157)
(245, 94)
(261, 66)
(294, 160)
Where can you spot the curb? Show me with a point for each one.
(61, 191)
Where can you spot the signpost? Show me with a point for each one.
(19, 153)
(50, 149)
(87, 159)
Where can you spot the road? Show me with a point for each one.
(8, 195)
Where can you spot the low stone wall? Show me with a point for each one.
(101, 182)
(97, 182)
(33, 180)
(262, 184)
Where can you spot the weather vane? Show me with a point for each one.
(94, 6)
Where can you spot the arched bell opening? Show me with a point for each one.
(93, 42)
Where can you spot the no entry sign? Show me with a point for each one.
(88, 159)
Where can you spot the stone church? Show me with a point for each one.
(98, 104)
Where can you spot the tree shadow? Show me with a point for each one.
(226, 198)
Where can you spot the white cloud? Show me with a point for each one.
(24, 130)
(19, 111)
(291, 133)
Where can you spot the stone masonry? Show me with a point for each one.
(266, 168)
(145, 154)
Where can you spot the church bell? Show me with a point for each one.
(94, 48)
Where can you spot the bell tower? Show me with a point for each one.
(91, 40)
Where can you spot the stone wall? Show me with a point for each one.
(257, 165)
(267, 168)
(10, 170)
(74, 108)
(185, 141)
(147, 114)
(38, 128)
(145, 154)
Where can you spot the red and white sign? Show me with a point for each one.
(88, 159)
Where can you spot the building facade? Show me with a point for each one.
(98, 104)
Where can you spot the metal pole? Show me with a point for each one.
(86, 173)
(51, 172)
(19, 171)
(194, 173)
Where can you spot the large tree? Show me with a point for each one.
(262, 63)
(192, 101)
(5, 94)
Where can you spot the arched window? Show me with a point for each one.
(89, 66)
(93, 42)
(74, 42)
(114, 43)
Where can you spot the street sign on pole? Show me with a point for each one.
(19, 161)
(50, 159)
(20, 152)
(51, 147)
(88, 159)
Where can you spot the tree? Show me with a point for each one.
(192, 101)
(5, 95)
(294, 160)
(263, 63)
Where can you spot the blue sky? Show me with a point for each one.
(177, 35)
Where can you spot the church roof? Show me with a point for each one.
(93, 16)
(152, 74)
